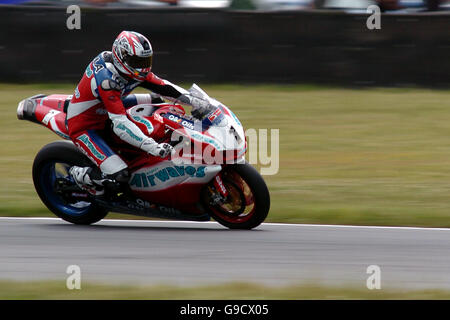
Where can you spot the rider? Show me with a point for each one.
(103, 93)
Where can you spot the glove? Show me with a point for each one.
(164, 149)
(161, 150)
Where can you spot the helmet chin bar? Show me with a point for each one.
(139, 76)
(129, 73)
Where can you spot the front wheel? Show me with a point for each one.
(56, 187)
(247, 203)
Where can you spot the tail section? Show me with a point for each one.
(49, 111)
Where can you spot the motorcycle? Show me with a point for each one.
(205, 177)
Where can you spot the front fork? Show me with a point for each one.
(218, 183)
(221, 195)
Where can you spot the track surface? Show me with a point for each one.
(185, 253)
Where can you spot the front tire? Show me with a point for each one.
(51, 169)
(248, 201)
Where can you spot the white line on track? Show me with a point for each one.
(264, 224)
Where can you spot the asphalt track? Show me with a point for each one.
(191, 253)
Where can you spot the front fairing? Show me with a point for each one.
(222, 125)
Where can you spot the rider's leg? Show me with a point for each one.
(109, 168)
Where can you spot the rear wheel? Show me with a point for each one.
(247, 203)
(56, 187)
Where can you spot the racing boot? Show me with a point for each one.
(82, 177)
(95, 182)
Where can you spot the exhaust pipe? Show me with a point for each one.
(20, 110)
(26, 108)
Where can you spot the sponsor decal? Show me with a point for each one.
(147, 52)
(153, 177)
(97, 65)
(188, 124)
(77, 92)
(219, 185)
(174, 118)
(121, 126)
(80, 147)
(184, 122)
(88, 143)
(206, 139)
(169, 210)
(145, 122)
(213, 116)
(62, 135)
(89, 72)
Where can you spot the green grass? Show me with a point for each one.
(366, 156)
(46, 290)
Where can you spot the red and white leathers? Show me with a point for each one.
(98, 97)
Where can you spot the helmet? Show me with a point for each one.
(132, 55)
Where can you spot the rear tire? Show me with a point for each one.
(249, 190)
(65, 154)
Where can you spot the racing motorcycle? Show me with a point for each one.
(205, 177)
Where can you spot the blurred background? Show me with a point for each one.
(245, 41)
(386, 5)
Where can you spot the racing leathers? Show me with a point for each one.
(99, 96)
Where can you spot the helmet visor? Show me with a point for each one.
(139, 62)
